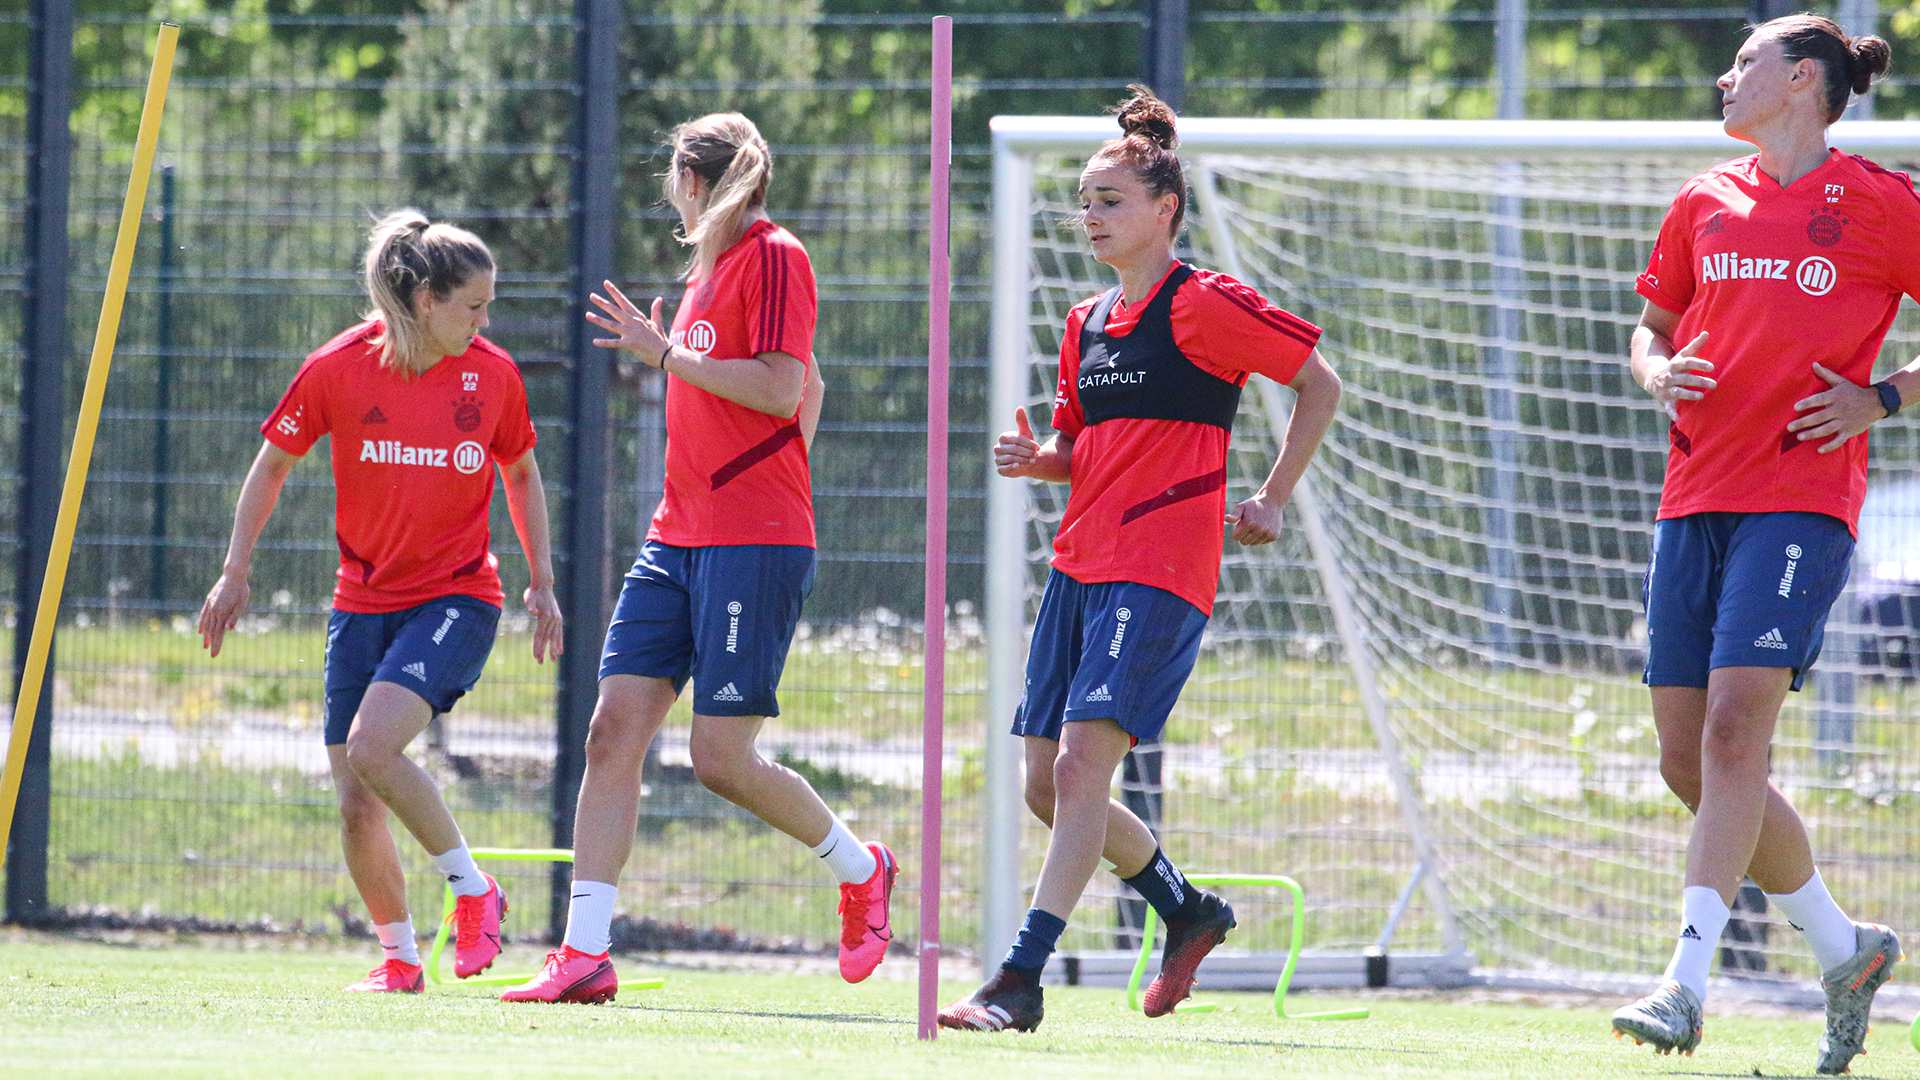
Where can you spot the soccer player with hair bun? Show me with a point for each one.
(716, 591)
(1150, 378)
(422, 409)
(1769, 293)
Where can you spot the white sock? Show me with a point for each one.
(461, 871)
(1828, 931)
(590, 916)
(397, 941)
(846, 856)
(1703, 915)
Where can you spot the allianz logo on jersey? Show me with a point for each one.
(468, 458)
(1815, 274)
(700, 337)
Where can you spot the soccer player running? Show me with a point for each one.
(716, 591)
(1150, 379)
(1769, 291)
(421, 410)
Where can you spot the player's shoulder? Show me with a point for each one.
(1885, 182)
(1715, 181)
(351, 345)
(1203, 285)
(770, 240)
(487, 352)
(1216, 298)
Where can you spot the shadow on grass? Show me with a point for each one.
(830, 1018)
(1278, 1045)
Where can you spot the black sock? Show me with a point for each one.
(1167, 889)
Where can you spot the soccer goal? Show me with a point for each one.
(1423, 702)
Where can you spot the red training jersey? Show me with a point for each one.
(412, 465)
(737, 475)
(1122, 466)
(1781, 279)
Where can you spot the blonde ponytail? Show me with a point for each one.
(405, 252)
(725, 150)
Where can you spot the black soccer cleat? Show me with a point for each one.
(1188, 943)
(1008, 1000)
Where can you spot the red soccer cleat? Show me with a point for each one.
(1187, 944)
(476, 925)
(392, 976)
(570, 975)
(866, 924)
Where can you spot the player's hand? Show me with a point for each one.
(1683, 378)
(1016, 453)
(1838, 413)
(221, 611)
(642, 336)
(547, 624)
(1257, 520)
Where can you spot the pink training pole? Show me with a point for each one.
(939, 274)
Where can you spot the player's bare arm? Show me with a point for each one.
(227, 600)
(527, 505)
(768, 382)
(1669, 376)
(1846, 408)
(1017, 454)
(1257, 520)
(811, 402)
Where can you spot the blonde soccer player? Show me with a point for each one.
(1769, 292)
(1150, 378)
(715, 594)
(422, 410)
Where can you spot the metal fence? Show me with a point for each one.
(186, 787)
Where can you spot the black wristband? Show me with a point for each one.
(1889, 395)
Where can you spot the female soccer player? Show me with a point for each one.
(1780, 273)
(1150, 378)
(717, 589)
(419, 407)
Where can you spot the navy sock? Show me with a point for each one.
(1167, 889)
(1038, 936)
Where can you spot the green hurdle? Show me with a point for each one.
(446, 924)
(1286, 973)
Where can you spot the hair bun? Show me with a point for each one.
(1145, 114)
(1870, 57)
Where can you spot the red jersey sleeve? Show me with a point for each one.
(1224, 324)
(1668, 280)
(779, 297)
(1903, 219)
(1067, 418)
(301, 417)
(514, 435)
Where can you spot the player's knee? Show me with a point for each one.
(720, 767)
(1682, 774)
(1077, 776)
(362, 812)
(1731, 739)
(612, 740)
(365, 755)
(1040, 798)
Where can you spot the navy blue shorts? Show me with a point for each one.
(1116, 650)
(1741, 590)
(435, 650)
(722, 615)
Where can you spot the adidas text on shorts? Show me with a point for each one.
(1114, 650)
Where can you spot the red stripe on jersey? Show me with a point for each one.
(473, 567)
(1190, 488)
(755, 454)
(1279, 320)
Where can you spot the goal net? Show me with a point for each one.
(1439, 662)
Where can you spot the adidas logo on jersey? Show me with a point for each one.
(1771, 640)
(374, 416)
(417, 669)
(1100, 694)
(728, 692)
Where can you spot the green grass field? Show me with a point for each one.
(219, 1008)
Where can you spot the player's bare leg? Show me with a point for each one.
(1090, 751)
(374, 863)
(1129, 843)
(626, 718)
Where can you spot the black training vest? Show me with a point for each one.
(1144, 375)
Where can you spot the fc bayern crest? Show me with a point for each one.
(1824, 229)
(466, 415)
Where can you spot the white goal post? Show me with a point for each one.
(1434, 675)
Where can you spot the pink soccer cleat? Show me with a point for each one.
(866, 925)
(392, 976)
(570, 975)
(476, 925)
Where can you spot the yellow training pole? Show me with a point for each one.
(89, 423)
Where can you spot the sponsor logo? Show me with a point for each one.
(466, 415)
(1715, 224)
(1119, 632)
(289, 425)
(394, 452)
(1100, 694)
(445, 625)
(374, 416)
(1824, 229)
(1172, 879)
(469, 457)
(1816, 276)
(1690, 933)
(469, 381)
(1732, 266)
(1771, 640)
(728, 692)
(417, 669)
(733, 626)
(701, 337)
(1786, 578)
(1113, 378)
